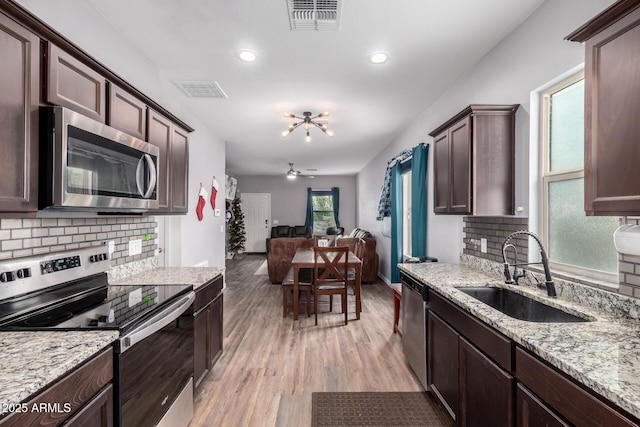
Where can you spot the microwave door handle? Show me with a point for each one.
(140, 176)
(152, 176)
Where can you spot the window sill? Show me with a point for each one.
(556, 273)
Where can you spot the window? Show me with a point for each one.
(406, 213)
(322, 202)
(575, 243)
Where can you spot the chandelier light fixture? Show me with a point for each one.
(307, 121)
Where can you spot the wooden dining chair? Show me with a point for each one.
(329, 276)
(305, 279)
(358, 250)
(351, 275)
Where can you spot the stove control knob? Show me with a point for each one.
(92, 258)
(8, 276)
(23, 273)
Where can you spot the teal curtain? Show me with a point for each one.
(308, 222)
(335, 196)
(396, 222)
(419, 161)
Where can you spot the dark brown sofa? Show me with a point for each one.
(284, 248)
(282, 251)
(288, 231)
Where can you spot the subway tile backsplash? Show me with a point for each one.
(26, 237)
(495, 229)
(629, 269)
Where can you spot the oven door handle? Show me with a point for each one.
(157, 322)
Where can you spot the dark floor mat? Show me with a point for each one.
(376, 409)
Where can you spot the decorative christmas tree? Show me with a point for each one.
(237, 235)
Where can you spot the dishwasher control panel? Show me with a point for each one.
(415, 285)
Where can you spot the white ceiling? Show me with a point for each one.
(430, 43)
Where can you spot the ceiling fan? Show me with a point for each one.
(293, 174)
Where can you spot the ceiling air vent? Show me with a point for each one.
(201, 89)
(319, 15)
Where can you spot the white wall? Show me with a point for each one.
(289, 197)
(530, 56)
(203, 240)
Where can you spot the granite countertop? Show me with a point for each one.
(603, 354)
(32, 360)
(196, 276)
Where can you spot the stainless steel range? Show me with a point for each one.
(154, 354)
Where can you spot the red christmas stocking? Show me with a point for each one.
(214, 193)
(202, 200)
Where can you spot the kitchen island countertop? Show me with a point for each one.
(32, 360)
(603, 354)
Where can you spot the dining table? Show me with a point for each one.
(304, 258)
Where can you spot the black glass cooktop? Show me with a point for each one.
(89, 303)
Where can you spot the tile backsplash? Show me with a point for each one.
(26, 237)
(495, 229)
(629, 269)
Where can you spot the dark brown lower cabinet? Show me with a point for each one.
(486, 390)
(443, 363)
(531, 411)
(483, 379)
(207, 329)
(565, 396)
(82, 398)
(97, 413)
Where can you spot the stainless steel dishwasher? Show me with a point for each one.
(414, 306)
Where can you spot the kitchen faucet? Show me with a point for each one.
(513, 278)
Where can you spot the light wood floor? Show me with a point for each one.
(271, 365)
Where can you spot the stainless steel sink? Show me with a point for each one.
(520, 306)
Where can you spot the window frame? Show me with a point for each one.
(547, 177)
(407, 249)
(321, 193)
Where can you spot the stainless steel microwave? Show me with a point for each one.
(88, 166)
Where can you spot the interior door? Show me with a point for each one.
(257, 217)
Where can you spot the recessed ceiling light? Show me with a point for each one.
(378, 57)
(247, 55)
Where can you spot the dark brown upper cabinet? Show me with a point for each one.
(19, 92)
(127, 113)
(173, 167)
(179, 170)
(474, 162)
(612, 106)
(72, 84)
